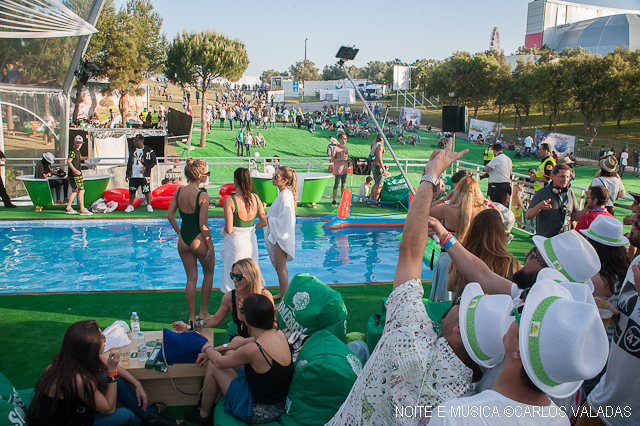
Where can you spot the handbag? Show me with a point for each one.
(181, 347)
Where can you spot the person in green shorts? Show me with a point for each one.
(75, 178)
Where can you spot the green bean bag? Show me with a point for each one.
(13, 405)
(310, 306)
(326, 370)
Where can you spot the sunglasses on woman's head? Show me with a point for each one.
(236, 277)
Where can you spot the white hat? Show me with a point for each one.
(570, 254)
(79, 139)
(606, 230)
(49, 157)
(555, 275)
(484, 320)
(562, 341)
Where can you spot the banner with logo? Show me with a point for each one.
(484, 128)
(561, 144)
(410, 115)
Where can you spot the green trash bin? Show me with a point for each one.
(263, 186)
(313, 186)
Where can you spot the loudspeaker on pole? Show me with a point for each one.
(454, 118)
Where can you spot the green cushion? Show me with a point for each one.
(232, 329)
(13, 410)
(326, 370)
(375, 325)
(310, 306)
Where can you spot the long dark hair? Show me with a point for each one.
(259, 311)
(487, 239)
(79, 357)
(243, 179)
(614, 263)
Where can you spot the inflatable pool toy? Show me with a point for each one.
(345, 204)
(344, 218)
(226, 191)
(120, 196)
(374, 220)
(166, 190)
(161, 202)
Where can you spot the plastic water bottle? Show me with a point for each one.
(142, 347)
(135, 325)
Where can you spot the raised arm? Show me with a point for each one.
(416, 227)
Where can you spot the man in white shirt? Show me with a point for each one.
(499, 169)
(528, 142)
(364, 189)
(248, 142)
(624, 157)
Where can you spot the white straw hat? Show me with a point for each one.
(570, 254)
(606, 230)
(484, 320)
(555, 275)
(562, 341)
(49, 157)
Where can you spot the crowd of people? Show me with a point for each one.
(551, 341)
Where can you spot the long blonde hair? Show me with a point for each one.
(468, 197)
(292, 181)
(251, 271)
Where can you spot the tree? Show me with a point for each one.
(334, 72)
(590, 83)
(266, 75)
(304, 71)
(552, 90)
(124, 64)
(151, 43)
(625, 74)
(522, 90)
(375, 71)
(196, 59)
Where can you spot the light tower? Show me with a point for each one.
(495, 39)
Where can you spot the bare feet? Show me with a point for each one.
(203, 317)
(277, 296)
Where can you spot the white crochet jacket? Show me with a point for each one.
(410, 371)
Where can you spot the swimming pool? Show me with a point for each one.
(115, 255)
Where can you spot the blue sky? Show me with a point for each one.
(274, 33)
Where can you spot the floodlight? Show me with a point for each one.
(347, 53)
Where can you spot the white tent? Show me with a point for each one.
(346, 96)
(333, 94)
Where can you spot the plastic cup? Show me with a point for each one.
(125, 357)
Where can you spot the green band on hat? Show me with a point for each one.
(611, 240)
(548, 248)
(471, 329)
(534, 340)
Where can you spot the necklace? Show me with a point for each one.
(256, 338)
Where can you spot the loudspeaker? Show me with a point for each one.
(454, 118)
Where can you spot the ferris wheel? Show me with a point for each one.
(495, 39)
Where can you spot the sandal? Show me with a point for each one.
(69, 210)
(38, 209)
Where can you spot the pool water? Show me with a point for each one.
(109, 255)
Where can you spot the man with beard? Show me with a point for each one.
(617, 389)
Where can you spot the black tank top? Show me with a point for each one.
(243, 331)
(271, 387)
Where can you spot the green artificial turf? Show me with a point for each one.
(33, 325)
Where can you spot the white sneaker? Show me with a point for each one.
(129, 209)
(149, 208)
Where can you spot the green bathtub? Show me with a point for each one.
(311, 186)
(40, 193)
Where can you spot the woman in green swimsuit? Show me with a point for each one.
(194, 236)
(240, 212)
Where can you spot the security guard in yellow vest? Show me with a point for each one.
(543, 173)
(155, 119)
(488, 155)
